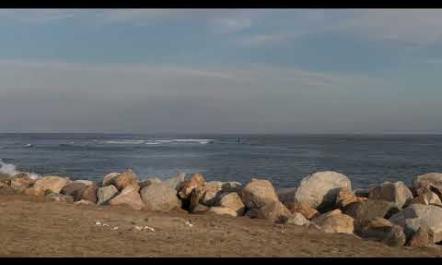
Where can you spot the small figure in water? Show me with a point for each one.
(239, 140)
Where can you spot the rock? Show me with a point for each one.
(365, 211)
(222, 211)
(320, 189)
(418, 215)
(85, 182)
(345, 197)
(427, 197)
(275, 212)
(84, 202)
(148, 181)
(232, 201)
(335, 222)
(90, 193)
(200, 208)
(106, 193)
(258, 193)
(125, 179)
(186, 188)
(430, 179)
(22, 183)
(74, 189)
(211, 192)
(394, 192)
(304, 209)
(49, 183)
(421, 238)
(176, 182)
(107, 180)
(231, 186)
(160, 197)
(363, 193)
(287, 195)
(383, 230)
(57, 197)
(196, 197)
(298, 219)
(129, 196)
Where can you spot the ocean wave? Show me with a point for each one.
(11, 170)
(159, 141)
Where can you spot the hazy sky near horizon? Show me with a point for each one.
(221, 71)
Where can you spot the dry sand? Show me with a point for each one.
(29, 227)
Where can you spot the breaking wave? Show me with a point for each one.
(11, 170)
(159, 141)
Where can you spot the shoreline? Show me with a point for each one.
(323, 205)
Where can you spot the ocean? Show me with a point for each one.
(283, 159)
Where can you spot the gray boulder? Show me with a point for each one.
(106, 193)
(396, 192)
(418, 215)
(160, 197)
(320, 189)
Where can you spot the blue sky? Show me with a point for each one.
(269, 71)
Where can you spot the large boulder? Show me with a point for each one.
(128, 196)
(275, 212)
(430, 179)
(335, 222)
(381, 229)
(345, 197)
(20, 184)
(365, 211)
(422, 238)
(74, 189)
(427, 197)
(418, 215)
(298, 219)
(90, 193)
(160, 197)
(233, 201)
(222, 211)
(304, 209)
(106, 193)
(107, 180)
(258, 193)
(211, 192)
(287, 195)
(185, 189)
(49, 183)
(397, 193)
(125, 179)
(320, 189)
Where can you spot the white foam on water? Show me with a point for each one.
(159, 141)
(11, 170)
(125, 142)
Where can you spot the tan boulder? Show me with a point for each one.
(107, 180)
(125, 179)
(106, 193)
(232, 201)
(319, 190)
(74, 189)
(212, 191)
(432, 180)
(396, 192)
(422, 238)
(22, 183)
(49, 183)
(90, 193)
(223, 211)
(382, 230)
(275, 212)
(345, 197)
(160, 197)
(298, 219)
(335, 222)
(304, 209)
(427, 197)
(258, 193)
(128, 196)
(186, 188)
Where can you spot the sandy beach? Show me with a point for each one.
(31, 227)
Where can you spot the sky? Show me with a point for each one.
(221, 71)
